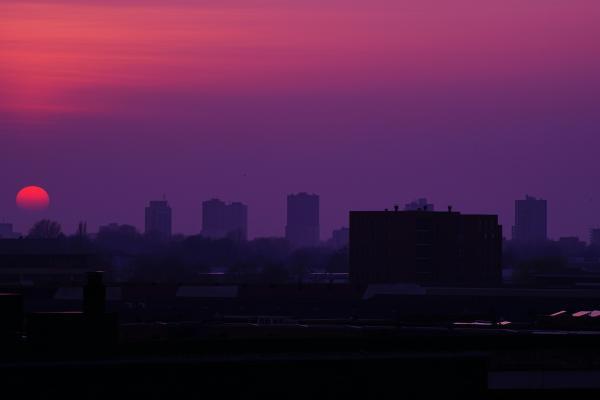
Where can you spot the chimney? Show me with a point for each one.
(396, 207)
(449, 209)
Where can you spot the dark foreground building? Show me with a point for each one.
(433, 248)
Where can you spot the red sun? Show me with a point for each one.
(33, 198)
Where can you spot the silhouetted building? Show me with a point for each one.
(221, 220)
(82, 229)
(595, 237)
(339, 238)
(437, 248)
(530, 221)
(158, 219)
(419, 204)
(238, 221)
(302, 228)
(213, 218)
(6, 231)
(571, 246)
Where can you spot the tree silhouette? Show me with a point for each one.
(45, 229)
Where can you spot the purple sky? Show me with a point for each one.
(109, 104)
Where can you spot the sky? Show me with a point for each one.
(109, 104)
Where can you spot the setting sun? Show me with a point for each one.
(33, 198)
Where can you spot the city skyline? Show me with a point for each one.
(109, 104)
(323, 233)
(227, 218)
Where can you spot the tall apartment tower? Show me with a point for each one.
(302, 229)
(238, 221)
(531, 223)
(158, 219)
(221, 220)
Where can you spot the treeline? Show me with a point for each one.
(134, 257)
(530, 262)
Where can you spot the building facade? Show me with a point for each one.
(302, 228)
(431, 248)
(221, 220)
(531, 221)
(158, 219)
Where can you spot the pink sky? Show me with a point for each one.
(473, 103)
